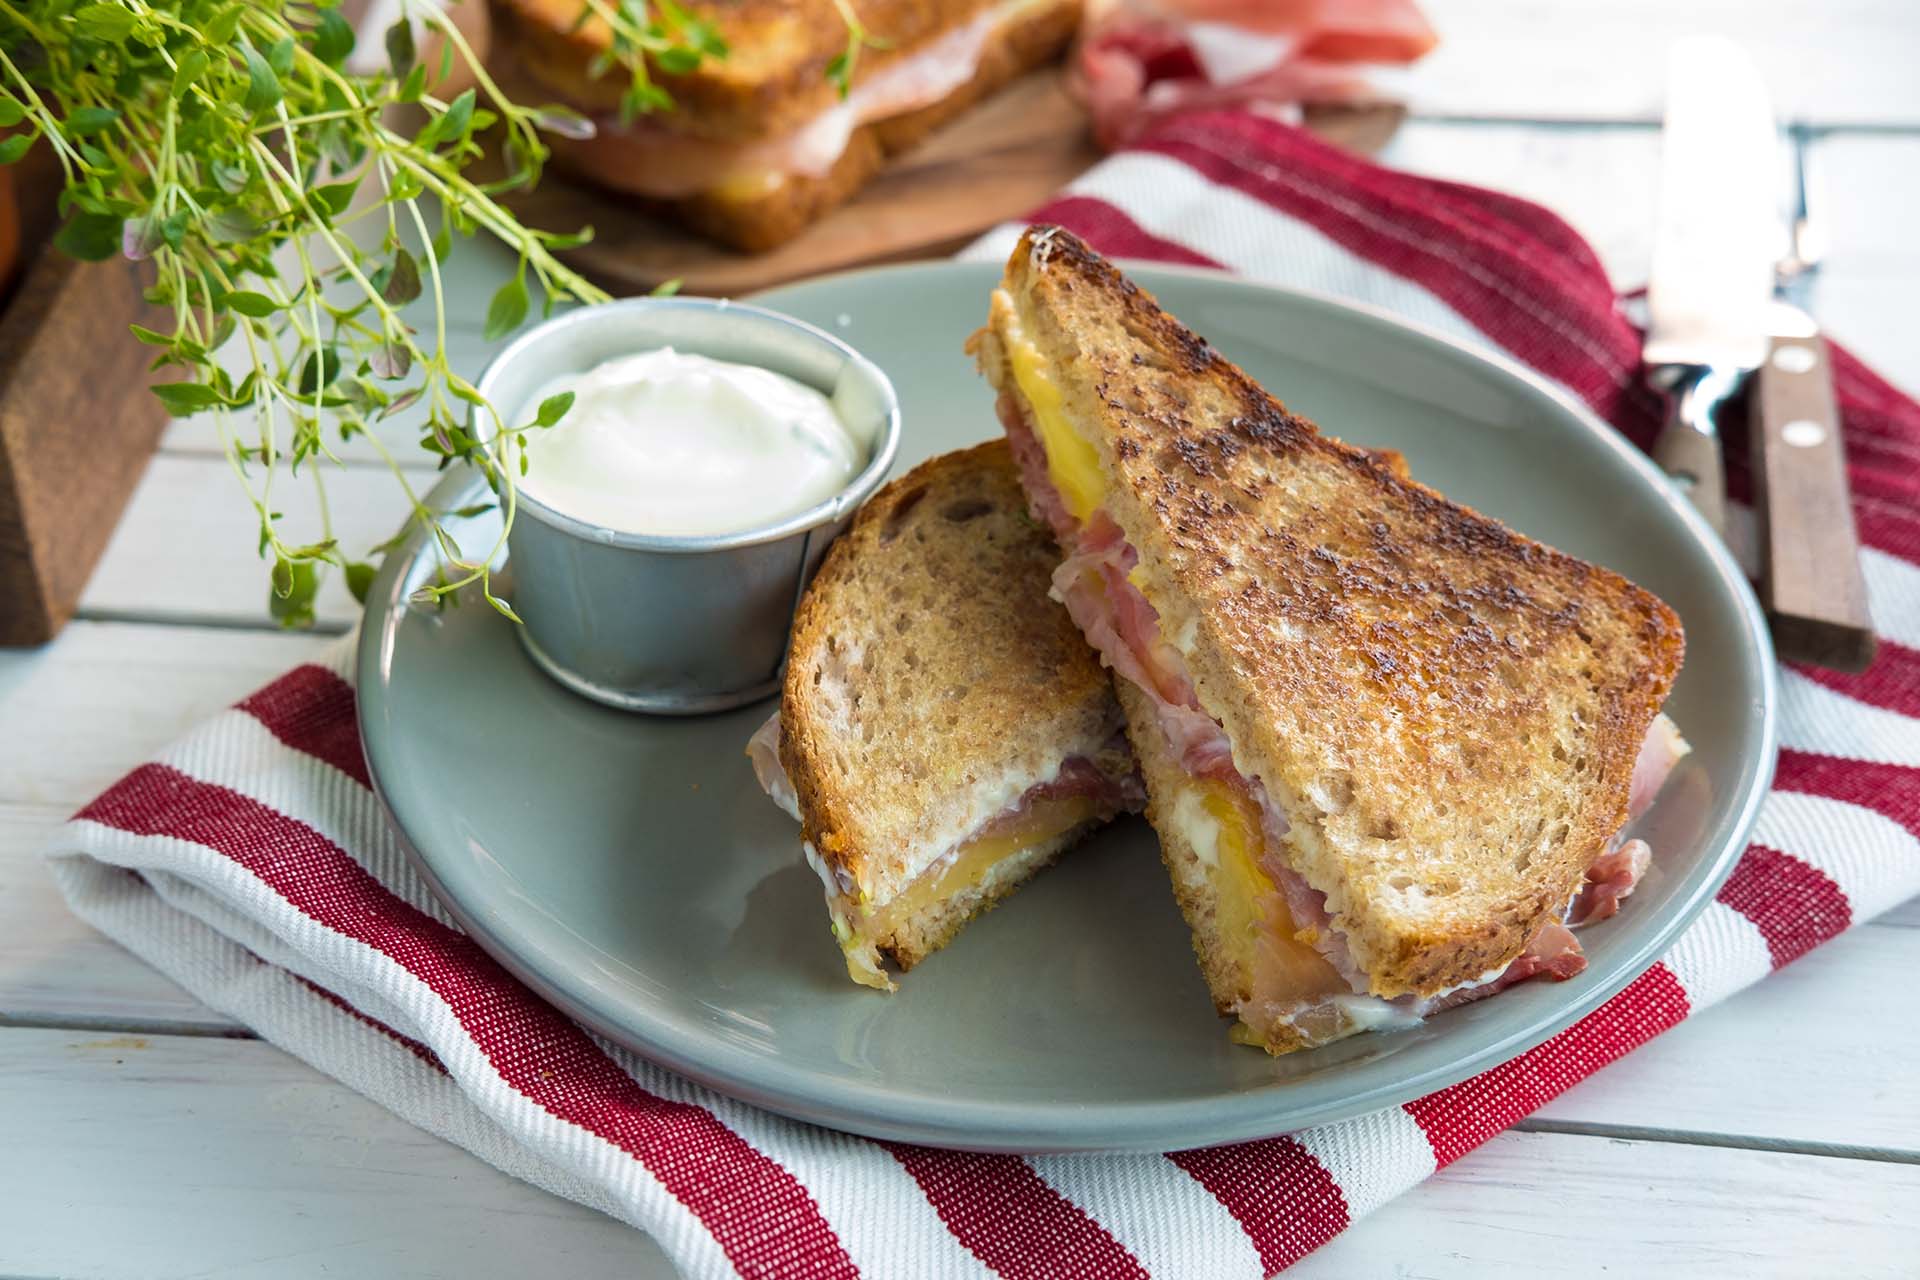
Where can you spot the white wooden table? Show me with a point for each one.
(142, 1135)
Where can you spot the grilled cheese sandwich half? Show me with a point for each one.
(1389, 745)
(759, 143)
(944, 731)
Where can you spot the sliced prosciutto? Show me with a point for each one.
(1143, 61)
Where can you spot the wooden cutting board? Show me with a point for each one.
(994, 163)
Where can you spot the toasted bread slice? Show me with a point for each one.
(1446, 713)
(771, 85)
(946, 730)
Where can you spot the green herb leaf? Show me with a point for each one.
(414, 85)
(248, 303)
(502, 607)
(459, 115)
(319, 371)
(230, 178)
(450, 124)
(86, 121)
(553, 408)
(295, 583)
(152, 337)
(359, 579)
(90, 237)
(405, 185)
(471, 510)
(508, 309)
(332, 38)
(233, 226)
(185, 398)
(839, 73)
(11, 149)
(677, 59)
(12, 111)
(568, 240)
(263, 87)
(192, 65)
(109, 22)
(335, 197)
(400, 51)
(280, 56)
(220, 28)
(403, 282)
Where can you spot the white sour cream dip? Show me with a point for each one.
(667, 442)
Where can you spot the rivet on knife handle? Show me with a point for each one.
(1688, 449)
(1811, 585)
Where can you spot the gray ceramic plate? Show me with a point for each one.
(628, 868)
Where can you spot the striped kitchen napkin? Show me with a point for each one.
(250, 862)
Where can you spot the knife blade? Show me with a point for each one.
(1715, 243)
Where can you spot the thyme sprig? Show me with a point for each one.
(227, 144)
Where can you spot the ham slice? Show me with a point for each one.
(1078, 777)
(1143, 61)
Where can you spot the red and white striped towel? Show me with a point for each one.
(250, 861)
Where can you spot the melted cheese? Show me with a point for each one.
(967, 869)
(1072, 464)
(1291, 983)
(1227, 839)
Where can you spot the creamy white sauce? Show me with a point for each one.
(667, 442)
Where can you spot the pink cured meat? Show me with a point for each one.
(1144, 61)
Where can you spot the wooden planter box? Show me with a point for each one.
(77, 424)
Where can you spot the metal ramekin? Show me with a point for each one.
(670, 624)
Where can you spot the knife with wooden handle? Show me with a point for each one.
(1811, 585)
(1714, 246)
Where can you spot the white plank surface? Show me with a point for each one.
(185, 548)
(54, 969)
(1864, 293)
(1830, 61)
(161, 1156)
(1798, 1035)
(104, 696)
(1531, 1205)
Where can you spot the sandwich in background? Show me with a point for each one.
(760, 144)
(1389, 744)
(944, 732)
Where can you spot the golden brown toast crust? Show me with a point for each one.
(1448, 712)
(931, 612)
(773, 79)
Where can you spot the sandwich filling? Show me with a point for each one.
(1303, 983)
(1085, 792)
(651, 159)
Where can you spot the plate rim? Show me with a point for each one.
(1138, 1126)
